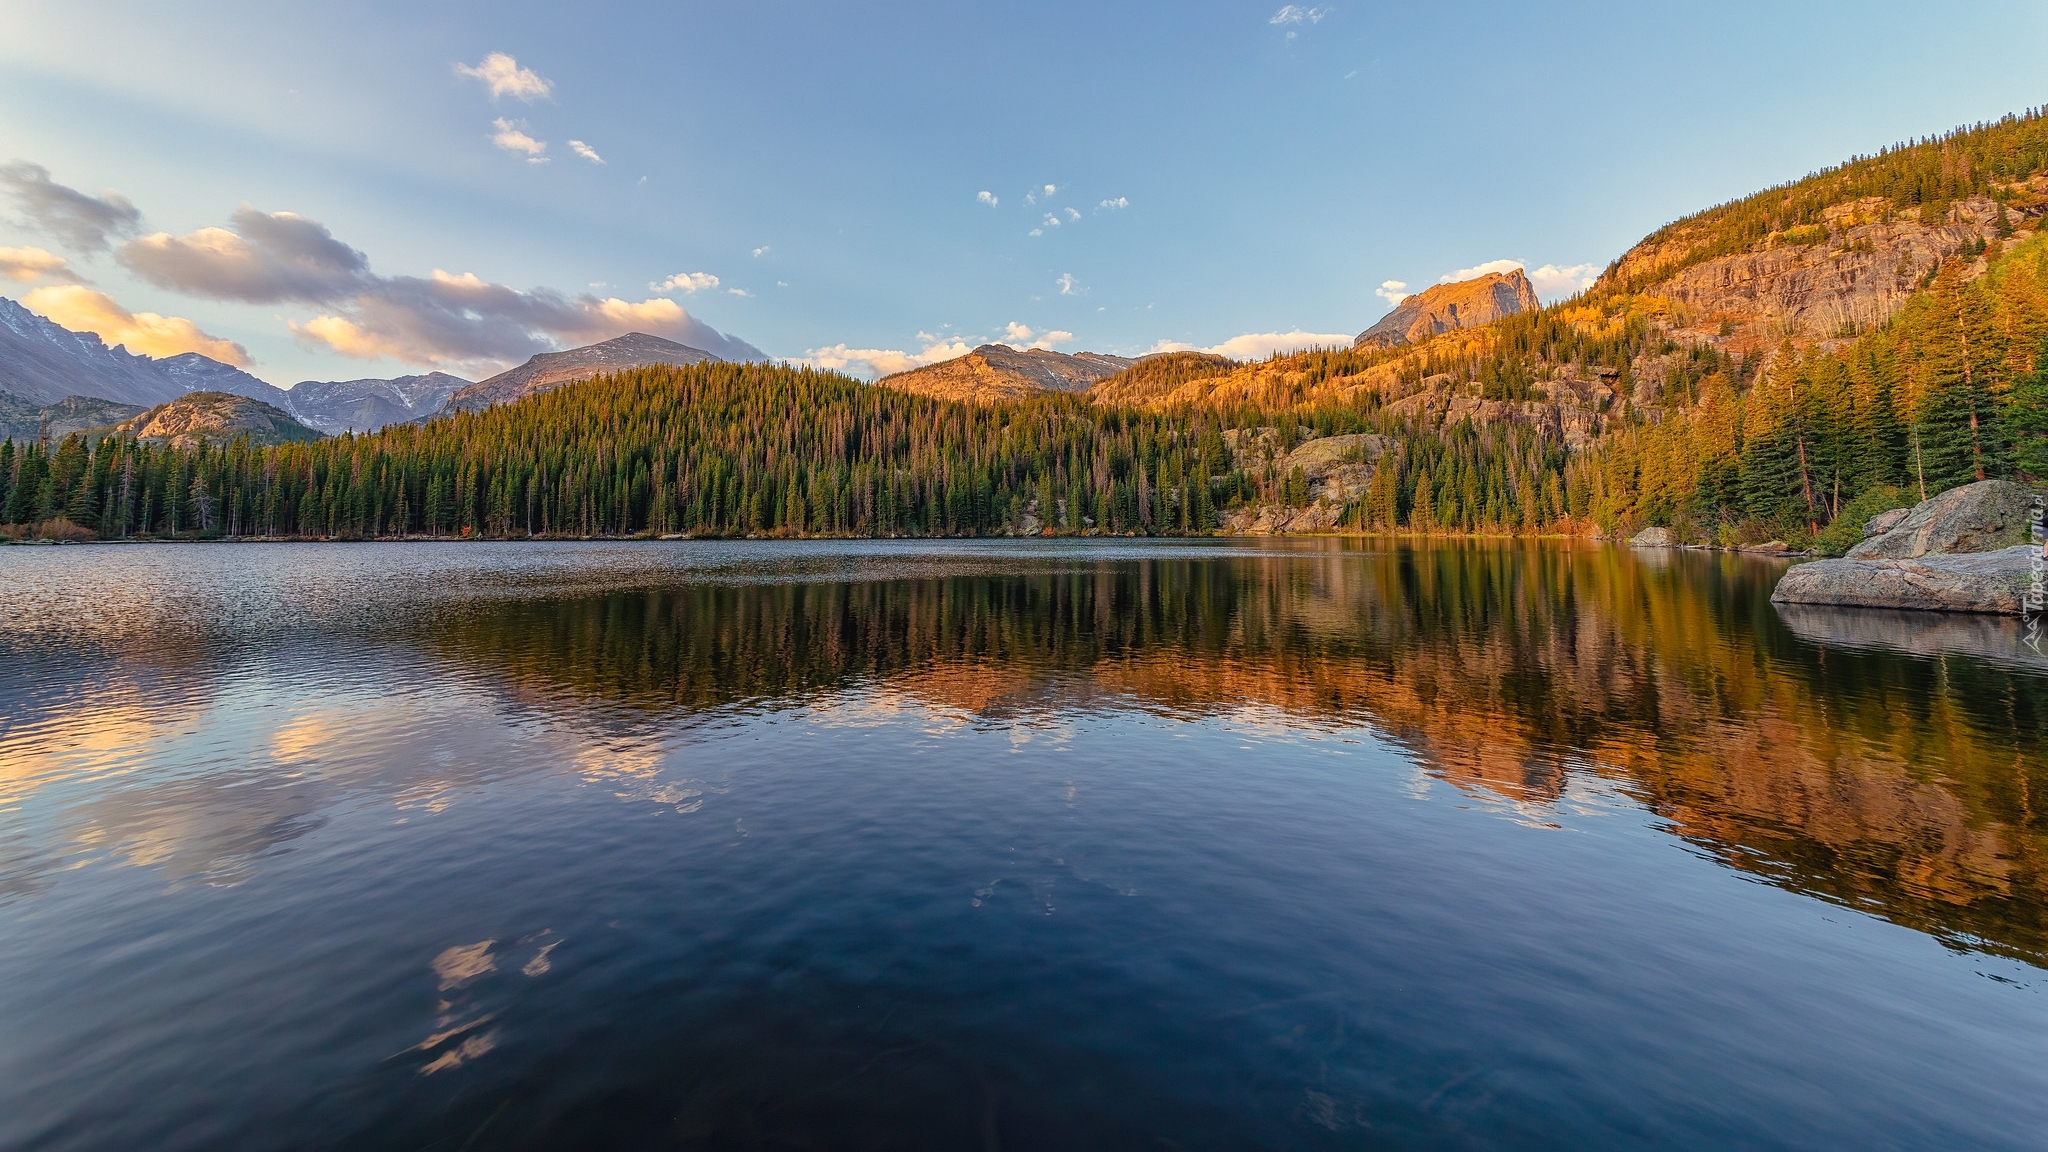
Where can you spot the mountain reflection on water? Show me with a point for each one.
(1059, 845)
(1901, 786)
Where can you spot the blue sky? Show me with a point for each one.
(1219, 171)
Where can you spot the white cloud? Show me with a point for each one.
(511, 136)
(1295, 14)
(1478, 270)
(1551, 281)
(1392, 291)
(1069, 286)
(1022, 336)
(504, 77)
(1051, 188)
(1036, 232)
(876, 362)
(144, 333)
(1116, 204)
(25, 264)
(686, 282)
(988, 198)
(1051, 221)
(1554, 282)
(1259, 345)
(738, 292)
(761, 251)
(1072, 215)
(585, 151)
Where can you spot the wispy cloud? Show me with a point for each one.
(987, 197)
(1392, 291)
(511, 136)
(1070, 286)
(585, 151)
(26, 264)
(738, 292)
(1296, 14)
(1259, 345)
(86, 223)
(504, 77)
(144, 333)
(1072, 214)
(1115, 205)
(686, 282)
(761, 251)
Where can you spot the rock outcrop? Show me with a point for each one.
(1445, 307)
(1651, 538)
(1338, 469)
(1980, 517)
(999, 372)
(217, 417)
(1997, 582)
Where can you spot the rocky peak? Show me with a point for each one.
(1446, 307)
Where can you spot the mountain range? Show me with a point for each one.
(73, 381)
(550, 369)
(999, 372)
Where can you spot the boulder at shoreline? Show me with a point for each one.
(1997, 582)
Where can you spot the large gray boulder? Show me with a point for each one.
(1651, 538)
(1980, 517)
(1997, 582)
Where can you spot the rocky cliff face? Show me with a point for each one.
(999, 372)
(554, 369)
(1844, 276)
(1448, 307)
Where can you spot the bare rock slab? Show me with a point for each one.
(1995, 582)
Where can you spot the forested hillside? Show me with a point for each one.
(1801, 357)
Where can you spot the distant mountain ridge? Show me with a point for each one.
(553, 369)
(337, 406)
(999, 372)
(1448, 307)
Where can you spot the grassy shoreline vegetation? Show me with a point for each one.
(1799, 442)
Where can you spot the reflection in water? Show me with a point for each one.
(1897, 785)
(724, 845)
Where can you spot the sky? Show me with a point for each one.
(377, 189)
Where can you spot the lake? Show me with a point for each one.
(1059, 845)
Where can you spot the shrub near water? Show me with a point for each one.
(1846, 529)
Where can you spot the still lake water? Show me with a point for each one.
(1211, 845)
